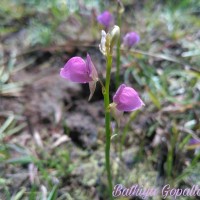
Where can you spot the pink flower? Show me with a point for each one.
(130, 39)
(127, 99)
(80, 71)
(105, 19)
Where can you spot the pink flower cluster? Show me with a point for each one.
(80, 71)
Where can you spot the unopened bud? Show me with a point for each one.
(108, 40)
(131, 39)
(102, 45)
(115, 34)
(120, 7)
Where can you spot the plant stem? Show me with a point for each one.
(118, 53)
(107, 122)
(132, 117)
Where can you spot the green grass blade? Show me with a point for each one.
(53, 194)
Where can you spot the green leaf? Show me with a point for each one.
(184, 142)
(6, 124)
(53, 194)
(20, 194)
(154, 99)
(20, 160)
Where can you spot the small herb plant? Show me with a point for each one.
(126, 99)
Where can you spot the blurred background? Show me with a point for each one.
(52, 139)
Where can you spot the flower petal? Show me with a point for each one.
(91, 68)
(92, 86)
(117, 95)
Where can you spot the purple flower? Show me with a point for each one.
(127, 99)
(105, 19)
(130, 39)
(194, 142)
(80, 71)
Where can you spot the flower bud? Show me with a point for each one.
(130, 39)
(108, 40)
(115, 33)
(120, 7)
(105, 19)
(102, 45)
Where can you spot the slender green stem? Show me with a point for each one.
(118, 53)
(132, 117)
(123, 138)
(107, 123)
